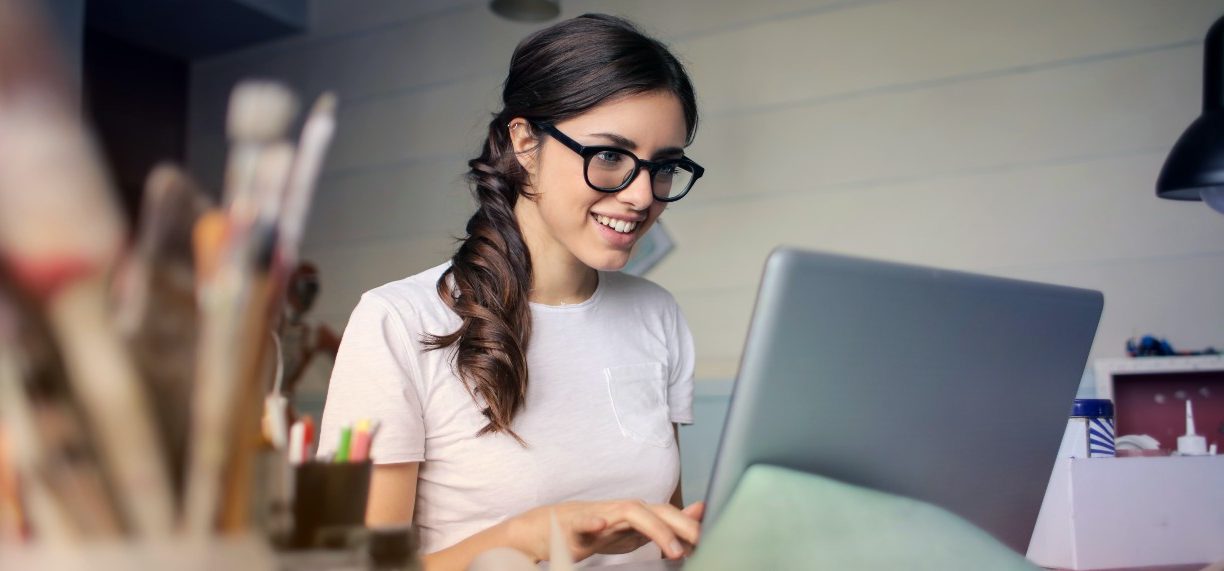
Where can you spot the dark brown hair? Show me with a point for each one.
(556, 73)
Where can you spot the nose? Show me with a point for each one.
(639, 195)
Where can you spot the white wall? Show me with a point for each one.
(1020, 138)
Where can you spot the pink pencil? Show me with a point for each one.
(361, 442)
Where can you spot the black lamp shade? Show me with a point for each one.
(1197, 159)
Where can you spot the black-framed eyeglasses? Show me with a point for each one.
(612, 169)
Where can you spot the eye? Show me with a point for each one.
(609, 157)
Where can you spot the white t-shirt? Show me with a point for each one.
(607, 378)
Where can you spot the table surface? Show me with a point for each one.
(662, 565)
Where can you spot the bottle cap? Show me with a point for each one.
(1191, 444)
(1093, 408)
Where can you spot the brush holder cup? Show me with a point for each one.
(329, 503)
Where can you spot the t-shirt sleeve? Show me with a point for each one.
(680, 370)
(375, 377)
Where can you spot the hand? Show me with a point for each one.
(623, 538)
(610, 527)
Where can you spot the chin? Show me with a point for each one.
(608, 262)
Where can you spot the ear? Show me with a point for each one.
(525, 143)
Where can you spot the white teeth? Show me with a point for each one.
(622, 226)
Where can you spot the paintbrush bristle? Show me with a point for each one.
(325, 104)
(56, 210)
(208, 237)
(260, 111)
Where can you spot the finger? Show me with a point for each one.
(619, 526)
(649, 524)
(682, 524)
(695, 510)
(588, 524)
(688, 548)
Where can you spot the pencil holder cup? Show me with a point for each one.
(329, 502)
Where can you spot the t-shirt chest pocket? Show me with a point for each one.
(639, 400)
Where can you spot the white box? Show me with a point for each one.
(1102, 513)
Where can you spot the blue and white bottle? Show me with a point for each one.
(1091, 429)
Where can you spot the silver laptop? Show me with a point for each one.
(943, 386)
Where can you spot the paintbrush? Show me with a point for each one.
(219, 289)
(257, 370)
(65, 488)
(316, 136)
(22, 452)
(60, 235)
(284, 204)
(259, 114)
(65, 495)
(171, 205)
(230, 245)
(156, 307)
(57, 231)
(559, 556)
(317, 133)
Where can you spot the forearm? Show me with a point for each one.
(459, 556)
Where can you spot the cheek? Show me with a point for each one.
(566, 207)
(563, 189)
(561, 173)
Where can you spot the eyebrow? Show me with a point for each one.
(621, 141)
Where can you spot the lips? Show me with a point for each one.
(621, 239)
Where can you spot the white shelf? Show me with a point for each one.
(1105, 369)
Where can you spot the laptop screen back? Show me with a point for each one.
(947, 387)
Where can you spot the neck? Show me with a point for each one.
(557, 277)
(561, 284)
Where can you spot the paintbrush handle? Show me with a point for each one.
(247, 437)
(316, 137)
(107, 384)
(216, 368)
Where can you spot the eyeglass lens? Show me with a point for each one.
(608, 170)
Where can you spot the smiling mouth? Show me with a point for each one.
(621, 226)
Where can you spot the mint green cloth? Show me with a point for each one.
(783, 519)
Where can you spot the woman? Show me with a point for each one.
(580, 162)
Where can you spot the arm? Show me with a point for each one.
(590, 527)
(372, 379)
(392, 500)
(393, 497)
(677, 498)
(392, 494)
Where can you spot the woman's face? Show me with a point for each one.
(568, 221)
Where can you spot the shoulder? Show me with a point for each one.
(417, 288)
(412, 299)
